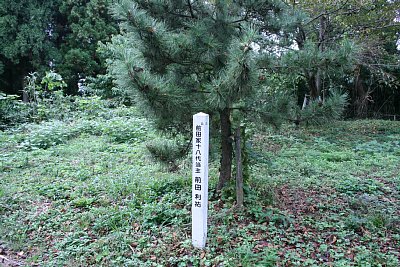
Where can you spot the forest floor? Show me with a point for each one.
(86, 192)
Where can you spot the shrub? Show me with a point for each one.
(167, 150)
(47, 134)
(122, 130)
(90, 106)
(12, 111)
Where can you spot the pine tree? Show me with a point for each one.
(182, 57)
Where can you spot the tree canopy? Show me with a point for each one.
(343, 44)
(353, 43)
(36, 36)
(26, 40)
(86, 23)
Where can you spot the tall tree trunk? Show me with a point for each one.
(226, 147)
(239, 168)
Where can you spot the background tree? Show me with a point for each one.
(26, 40)
(326, 30)
(81, 25)
(36, 36)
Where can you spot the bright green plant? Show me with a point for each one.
(53, 81)
(46, 100)
(48, 134)
(91, 106)
(90, 200)
(122, 130)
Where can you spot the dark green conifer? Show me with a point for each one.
(181, 57)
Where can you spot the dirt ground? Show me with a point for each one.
(10, 258)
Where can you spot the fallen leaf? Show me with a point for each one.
(331, 239)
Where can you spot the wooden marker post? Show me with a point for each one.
(200, 179)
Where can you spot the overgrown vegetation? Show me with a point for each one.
(86, 191)
(88, 179)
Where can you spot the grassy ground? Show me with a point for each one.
(85, 192)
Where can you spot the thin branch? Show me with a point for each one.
(327, 13)
(350, 12)
(364, 28)
(180, 15)
(237, 21)
(133, 251)
(240, 20)
(191, 9)
(384, 65)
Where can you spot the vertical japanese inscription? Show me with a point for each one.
(200, 179)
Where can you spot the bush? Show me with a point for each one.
(54, 132)
(12, 111)
(122, 130)
(90, 106)
(167, 150)
(46, 100)
(48, 134)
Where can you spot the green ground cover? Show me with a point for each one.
(86, 192)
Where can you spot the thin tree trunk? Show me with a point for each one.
(318, 83)
(361, 97)
(226, 147)
(239, 169)
(321, 47)
(312, 85)
(25, 98)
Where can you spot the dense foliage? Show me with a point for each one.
(36, 36)
(351, 45)
(86, 24)
(26, 40)
(39, 36)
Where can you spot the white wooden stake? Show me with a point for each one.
(200, 179)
